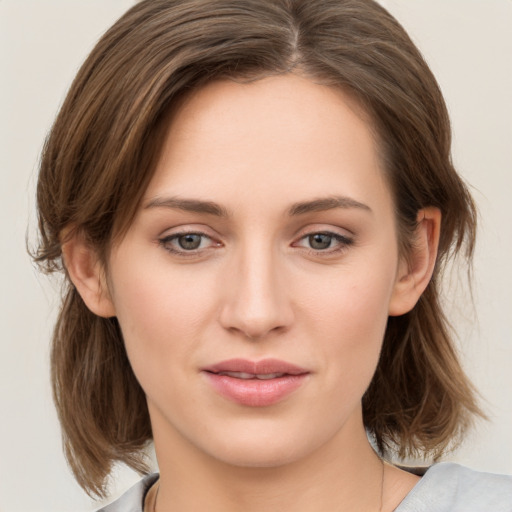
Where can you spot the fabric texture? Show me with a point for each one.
(133, 499)
(445, 487)
(449, 487)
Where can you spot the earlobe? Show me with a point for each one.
(87, 274)
(415, 271)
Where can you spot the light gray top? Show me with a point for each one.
(445, 487)
(448, 487)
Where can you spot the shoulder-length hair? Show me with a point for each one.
(102, 151)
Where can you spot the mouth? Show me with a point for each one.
(248, 376)
(245, 369)
(255, 383)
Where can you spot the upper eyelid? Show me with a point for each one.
(184, 232)
(323, 228)
(301, 233)
(194, 229)
(337, 236)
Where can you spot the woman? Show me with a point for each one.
(253, 202)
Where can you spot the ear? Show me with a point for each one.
(415, 270)
(87, 274)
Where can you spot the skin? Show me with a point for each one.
(258, 287)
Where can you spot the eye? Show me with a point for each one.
(320, 241)
(324, 241)
(189, 242)
(183, 243)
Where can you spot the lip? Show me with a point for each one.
(255, 392)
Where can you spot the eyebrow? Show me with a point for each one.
(300, 208)
(326, 203)
(188, 205)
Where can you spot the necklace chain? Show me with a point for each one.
(381, 485)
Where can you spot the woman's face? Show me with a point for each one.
(265, 244)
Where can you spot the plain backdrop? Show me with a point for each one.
(468, 44)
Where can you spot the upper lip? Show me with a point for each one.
(262, 367)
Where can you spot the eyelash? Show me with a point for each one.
(166, 243)
(343, 242)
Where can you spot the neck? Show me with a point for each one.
(345, 475)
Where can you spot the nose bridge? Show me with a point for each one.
(256, 301)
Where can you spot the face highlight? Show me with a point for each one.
(254, 285)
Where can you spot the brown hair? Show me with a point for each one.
(102, 151)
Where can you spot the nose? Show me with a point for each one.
(256, 301)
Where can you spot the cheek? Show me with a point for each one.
(151, 296)
(351, 300)
(160, 316)
(349, 319)
(356, 340)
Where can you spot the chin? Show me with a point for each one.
(261, 456)
(257, 447)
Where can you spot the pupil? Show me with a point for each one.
(189, 242)
(320, 241)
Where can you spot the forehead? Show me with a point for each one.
(262, 138)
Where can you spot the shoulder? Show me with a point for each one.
(133, 499)
(449, 487)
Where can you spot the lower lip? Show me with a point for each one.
(255, 392)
